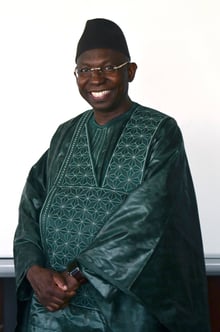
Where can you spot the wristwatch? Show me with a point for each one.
(74, 271)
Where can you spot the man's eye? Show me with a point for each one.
(108, 68)
(84, 70)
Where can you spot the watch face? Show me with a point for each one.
(74, 271)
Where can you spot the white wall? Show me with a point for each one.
(176, 45)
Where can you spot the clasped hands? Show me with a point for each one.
(53, 289)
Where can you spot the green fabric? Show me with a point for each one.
(126, 211)
(103, 139)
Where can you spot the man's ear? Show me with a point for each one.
(132, 67)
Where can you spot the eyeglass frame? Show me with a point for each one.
(99, 69)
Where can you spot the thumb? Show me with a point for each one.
(60, 282)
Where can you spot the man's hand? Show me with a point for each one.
(53, 290)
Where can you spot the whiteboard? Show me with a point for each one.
(176, 45)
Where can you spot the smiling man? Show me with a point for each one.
(109, 236)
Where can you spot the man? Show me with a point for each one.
(108, 236)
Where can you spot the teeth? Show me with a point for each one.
(98, 94)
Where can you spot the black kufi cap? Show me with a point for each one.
(102, 33)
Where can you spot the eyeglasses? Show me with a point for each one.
(85, 72)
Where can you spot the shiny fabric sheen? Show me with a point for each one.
(161, 285)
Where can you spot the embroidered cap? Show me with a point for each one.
(102, 33)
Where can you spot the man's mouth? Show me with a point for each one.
(100, 94)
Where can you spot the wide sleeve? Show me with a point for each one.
(151, 248)
(27, 242)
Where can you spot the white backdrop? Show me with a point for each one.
(176, 44)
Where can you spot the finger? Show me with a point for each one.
(53, 307)
(60, 283)
(70, 294)
(56, 304)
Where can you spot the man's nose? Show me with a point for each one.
(97, 74)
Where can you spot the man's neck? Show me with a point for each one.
(103, 117)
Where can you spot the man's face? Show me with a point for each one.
(105, 91)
